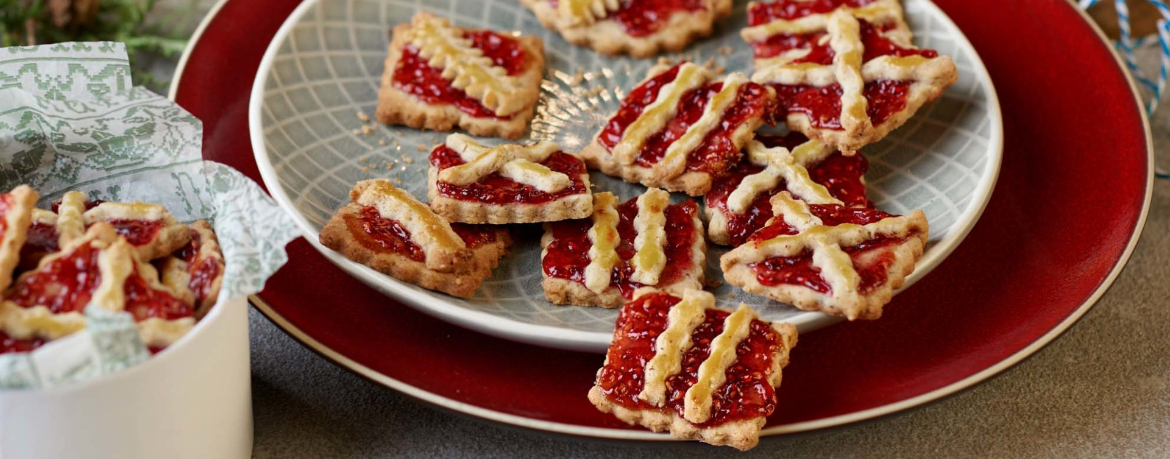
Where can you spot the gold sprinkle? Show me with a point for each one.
(382, 142)
(422, 147)
(407, 159)
(367, 130)
(362, 116)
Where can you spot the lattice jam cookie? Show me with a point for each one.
(472, 183)
(388, 230)
(196, 268)
(739, 204)
(829, 258)
(683, 365)
(637, 27)
(847, 81)
(439, 76)
(792, 31)
(645, 244)
(679, 128)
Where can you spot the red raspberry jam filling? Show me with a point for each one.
(823, 105)
(9, 344)
(63, 285)
(188, 252)
(568, 253)
(41, 241)
(474, 235)
(840, 174)
(382, 234)
(640, 18)
(385, 235)
(873, 39)
(415, 76)
(765, 12)
(496, 189)
(871, 259)
(203, 274)
(144, 302)
(717, 153)
(746, 394)
(137, 232)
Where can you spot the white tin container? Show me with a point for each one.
(193, 400)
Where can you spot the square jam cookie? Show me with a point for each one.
(439, 77)
(472, 183)
(604, 260)
(679, 364)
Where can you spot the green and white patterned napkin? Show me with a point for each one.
(71, 120)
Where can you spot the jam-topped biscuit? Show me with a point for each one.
(16, 209)
(789, 31)
(150, 228)
(390, 231)
(472, 183)
(439, 76)
(680, 128)
(164, 315)
(48, 302)
(645, 243)
(829, 258)
(196, 268)
(682, 365)
(739, 204)
(636, 27)
(846, 81)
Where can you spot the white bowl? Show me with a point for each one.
(191, 401)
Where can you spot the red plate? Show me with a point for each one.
(1068, 208)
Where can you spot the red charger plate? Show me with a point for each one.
(1068, 208)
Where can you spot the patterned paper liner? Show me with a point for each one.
(70, 119)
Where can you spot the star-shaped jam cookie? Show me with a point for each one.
(196, 268)
(826, 257)
(473, 183)
(848, 76)
(164, 315)
(680, 128)
(48, 301)
(639, 28)
(439, 76)
(647, 243)
(739, 203)
(390, 231)
(679, 364)
(150, 228)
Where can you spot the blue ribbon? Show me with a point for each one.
(1127, 44)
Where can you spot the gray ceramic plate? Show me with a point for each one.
(324, 66)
